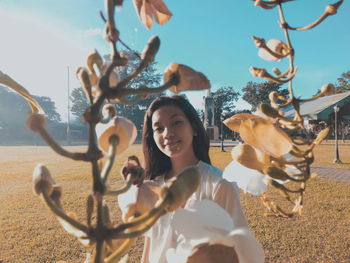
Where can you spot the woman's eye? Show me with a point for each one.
(177, 122)
(158, 129)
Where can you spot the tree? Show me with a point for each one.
(135, 113)
(79, 102)
(343, 82)
(14, 112)
(224, 103)
(257, 93)
(49, 107)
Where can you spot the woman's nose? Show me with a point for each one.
(168, 132)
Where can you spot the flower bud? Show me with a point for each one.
(258, 72)
(330, 9)
(328, 89)
(42, 180)
(108, 110)
(276, 71)
(273, 96)
(276, 173)
(123, 128)
(56, 194)
(151, 49)
(181, 187)
(84, 78)
(35, 122)
(268, 110)
(189, 78)
(94, 59)
(321, 136)
(259, 42)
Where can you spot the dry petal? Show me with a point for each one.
(260, 134)
(234, 122)
(149, 9)
(181, 187)
(189, 78)
(147, 196)
(250, 157)
(263, 135)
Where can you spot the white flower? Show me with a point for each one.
(207, 222)
(278, 49)
(249, 180)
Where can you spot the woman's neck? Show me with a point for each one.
(178, 164)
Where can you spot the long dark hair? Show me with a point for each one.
(156, 162)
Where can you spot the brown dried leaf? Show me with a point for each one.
(189, 78)
(250, 157)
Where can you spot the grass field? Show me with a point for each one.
(31, 234)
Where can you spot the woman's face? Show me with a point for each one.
(172, 132)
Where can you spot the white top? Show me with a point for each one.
(212, 187)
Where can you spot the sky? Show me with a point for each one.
(43, 42)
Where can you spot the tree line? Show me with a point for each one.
(13, 109)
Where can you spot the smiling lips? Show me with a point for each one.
(171, 143)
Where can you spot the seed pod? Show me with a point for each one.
(268, 110)
(56, 194)
(123, 128)
(42, 180)
(151, 50)
(181, 187)
(259, 42)
(276, 71)
(328, 89)
(109, 110)
(84, 78)
(94, 59)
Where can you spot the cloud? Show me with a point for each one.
(92, 32)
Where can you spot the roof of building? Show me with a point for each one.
(321, 108)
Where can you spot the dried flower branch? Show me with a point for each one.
(111, 135)
(329, 10)
(266, 144)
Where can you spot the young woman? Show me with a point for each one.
(173, 139)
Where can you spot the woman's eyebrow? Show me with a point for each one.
(175, 115)
(157, 123)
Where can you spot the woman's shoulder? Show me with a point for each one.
(209, 170)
